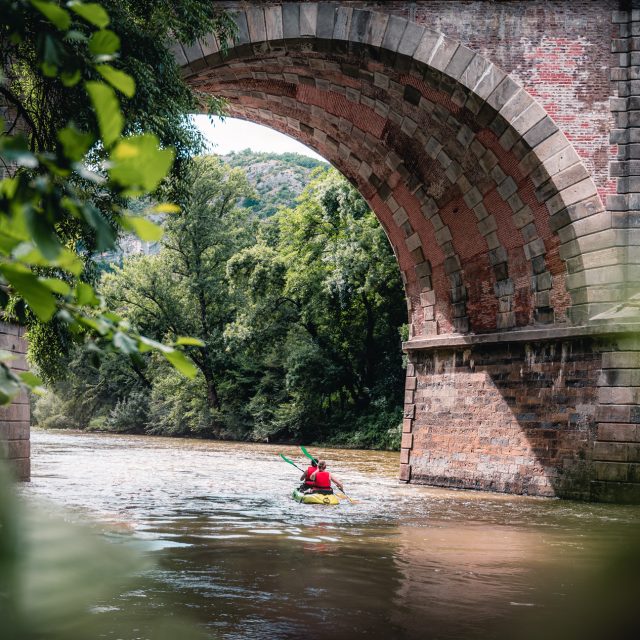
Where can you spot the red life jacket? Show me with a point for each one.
(310, 471)
(323, 480)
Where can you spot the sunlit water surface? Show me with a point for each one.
(236, 555)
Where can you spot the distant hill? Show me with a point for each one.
(278, 178)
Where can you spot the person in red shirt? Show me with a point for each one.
(322, 480)
(307, 482)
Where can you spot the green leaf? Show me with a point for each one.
(153, 344)
(30, 379)
(186, 340)
(139, 165)
(55, 14)
(70, 78)
(85, 295)
(120, 80)
(43, 234)
(181, 363)
(104, 42)
(143, 228)
(56, 285)
(124, 343)
(166, 207)
(107, 108)
(105, 234)
(34, 292)
(75, 144)
(9, 386)
(91, 12)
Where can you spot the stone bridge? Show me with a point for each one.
(499, 146)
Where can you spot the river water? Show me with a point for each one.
(237, 557)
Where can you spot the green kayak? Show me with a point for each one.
(314, 498)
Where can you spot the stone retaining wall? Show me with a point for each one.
(15, 419)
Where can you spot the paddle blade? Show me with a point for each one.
(289, 461)
(306, 453)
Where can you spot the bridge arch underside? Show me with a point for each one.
(493, 218)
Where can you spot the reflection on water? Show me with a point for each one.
(237, 555)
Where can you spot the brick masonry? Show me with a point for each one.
(483, 135)
(15, 419)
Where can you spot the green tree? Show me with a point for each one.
(183, 289)
(322, 289)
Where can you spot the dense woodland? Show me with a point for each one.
(296, 299)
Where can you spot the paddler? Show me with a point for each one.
(322, 480)
(306, 476)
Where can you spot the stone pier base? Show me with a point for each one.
(552, 414)
(15, 419)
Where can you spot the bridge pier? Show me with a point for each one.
(15, 419)
(545, 412)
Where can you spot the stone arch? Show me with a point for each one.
(494, 219)
(429, 131)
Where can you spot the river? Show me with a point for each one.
(237, 557)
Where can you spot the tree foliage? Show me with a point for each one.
(297, 315)
(77, 148)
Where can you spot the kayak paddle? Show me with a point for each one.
(290, 462)
(344, 495)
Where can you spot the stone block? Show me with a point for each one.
(411, 383)
(273, 23)
(610, 451)
(15, 413)
(405, 472)
(242, 34)
(20, 469)
(619, 395)
(443, 53)
(393, 35)
(291, 20)
(377, 28)
(611, 471)
(308, 19)
(583, 190)
(256, 24)
(615, 492)
(517, 104)
(503, 92)
(621, 360)
(342, 24)
(489, 80)
(413, 241)
(427, 298)
(14, 449)
(14, 430)
(618, 432)
(427, 46)
(628, 414)
(407, 440)
(459, 62)
(410, 39)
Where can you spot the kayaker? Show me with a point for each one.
(306, 476)
(322, 480)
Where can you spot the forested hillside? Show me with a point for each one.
(295, 318)
(278, 178)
